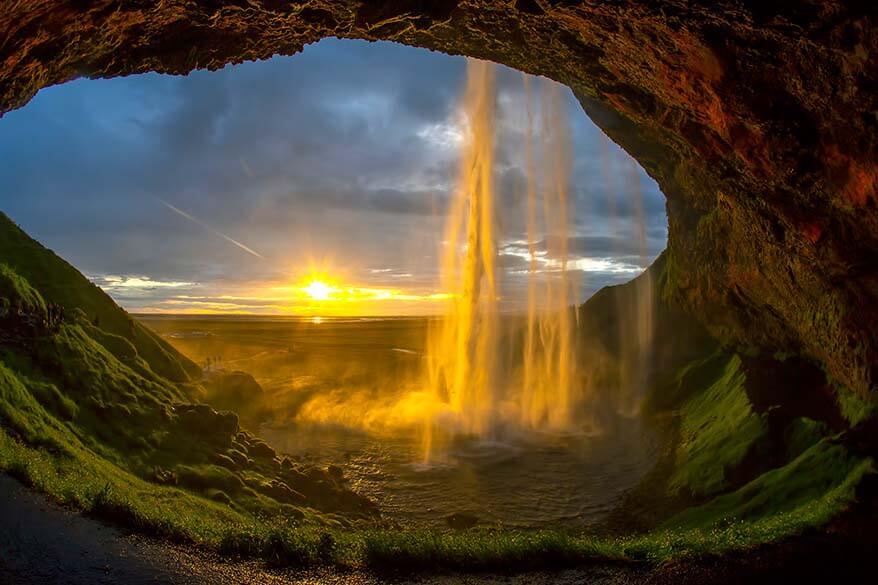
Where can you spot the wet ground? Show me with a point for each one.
(42, 543)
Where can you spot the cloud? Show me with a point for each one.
(346, 154)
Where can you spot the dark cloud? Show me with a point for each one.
(345, 153)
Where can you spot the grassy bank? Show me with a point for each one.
(85, 482)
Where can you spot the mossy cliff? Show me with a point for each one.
(765, 441)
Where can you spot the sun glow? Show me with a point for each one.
(311, 293)
(319, 294)
(318, 290)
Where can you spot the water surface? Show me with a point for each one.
(337, 390)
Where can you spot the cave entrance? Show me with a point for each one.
(281, 218)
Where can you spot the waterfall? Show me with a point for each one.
(466, 371)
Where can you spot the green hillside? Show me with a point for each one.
(61, 284)
(99, 412)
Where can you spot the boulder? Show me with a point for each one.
(205, 422)
(461, 520)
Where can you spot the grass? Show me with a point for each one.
(819, 472)
(84, 481)
(801, 434)
(89, 483)
(15, 289)
(60, 283)
(717, 427)
(49, 456)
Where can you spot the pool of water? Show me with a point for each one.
(344, 392)
(523, 481)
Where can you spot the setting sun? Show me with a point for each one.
(319, 291)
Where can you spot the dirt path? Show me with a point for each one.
(42, 543)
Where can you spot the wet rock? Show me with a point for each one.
(204, 421)
(298, 480)
(224, 460)
(282, 492)
(164, 476)
(355, 505)
(261, 450)
(461, 520)
(240, 459)
(315, 474)
(237, 391)
(336, 473)
(219, 496)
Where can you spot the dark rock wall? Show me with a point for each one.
(758, 118)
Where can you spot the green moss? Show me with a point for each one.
(819, 472)
(22, 414)
(801, 434)
(717, 429)
(853, 408)
(16, 291)
(60, 283)
(121, 348)
(90, 483)
(485, 550)
(205, 477)
(670, 277)
(689, 380)
(53, 400)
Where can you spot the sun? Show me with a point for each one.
(317, 290)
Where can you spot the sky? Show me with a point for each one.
(233, 191)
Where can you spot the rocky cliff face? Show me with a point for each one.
(758, 119)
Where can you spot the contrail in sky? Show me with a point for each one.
(210, 229)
